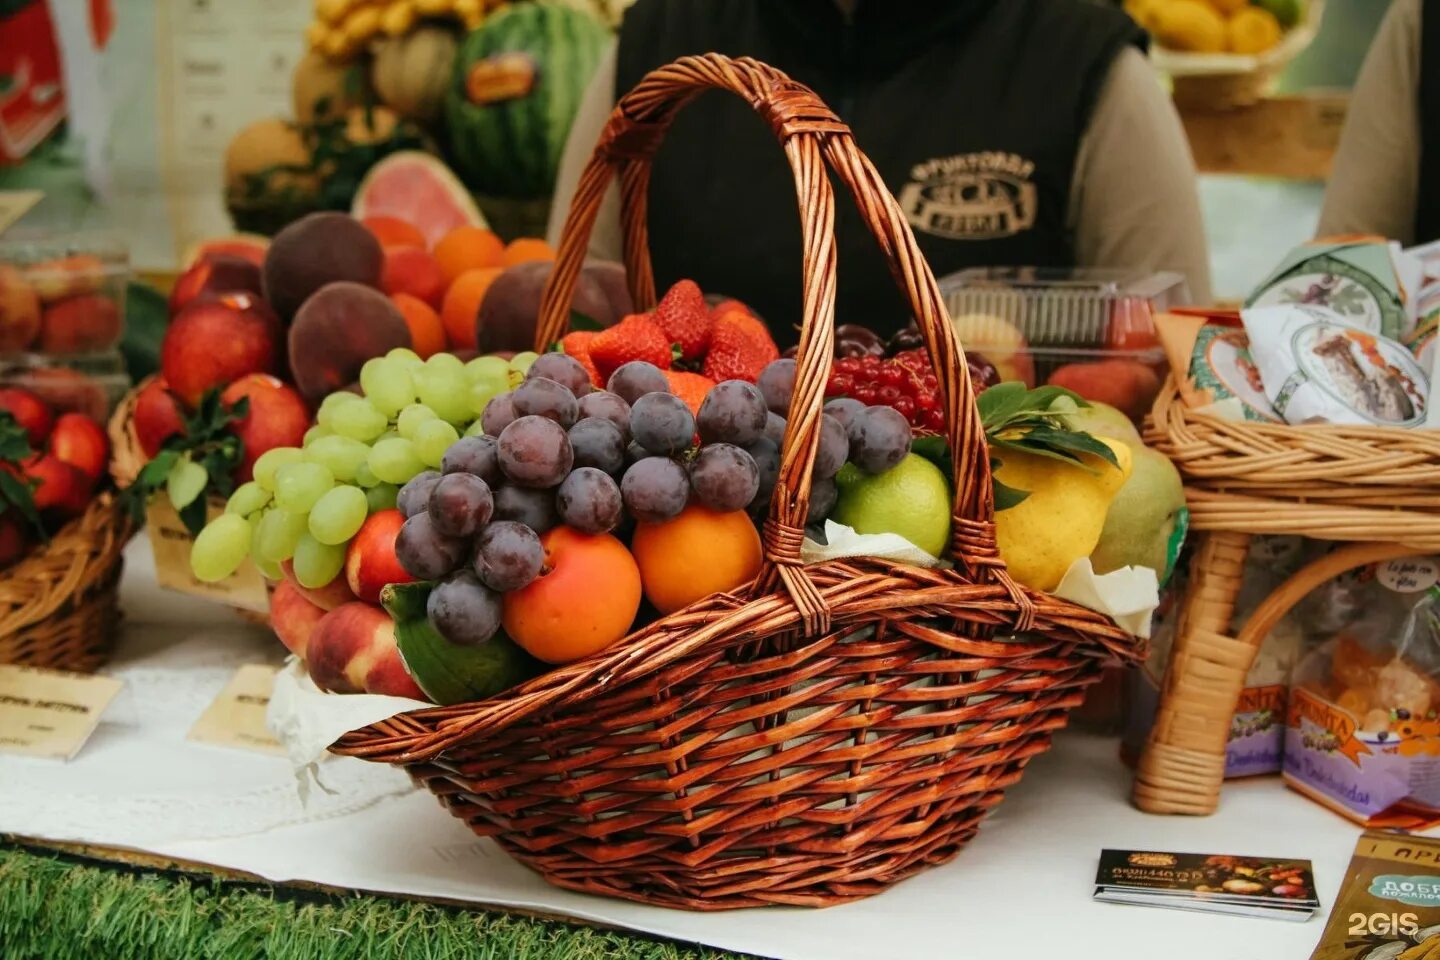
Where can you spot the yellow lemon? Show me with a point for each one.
(1229, 7)
(1143, 11)
(1189, 25)
(1062, 518)
(1253, 30)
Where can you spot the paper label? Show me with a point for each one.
(49, 713)
(1410, 575)
(236, 718)
(170, 542)
(14, 204)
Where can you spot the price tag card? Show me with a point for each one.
(236, 718)
(14, 204)
(170, 543)
(48, 713)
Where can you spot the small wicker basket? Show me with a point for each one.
(58, 605)
(1376, 486)
(824, 731)
(1228, 81)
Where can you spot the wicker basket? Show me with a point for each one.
(127, 459)
(823, 732)
(58, 606)
(1376, 486)
(1228, 81)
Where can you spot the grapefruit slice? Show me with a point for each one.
(419, 189)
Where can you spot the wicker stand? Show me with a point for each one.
(1379, 487)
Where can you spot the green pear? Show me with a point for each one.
(1098, 419)
(1142, 517)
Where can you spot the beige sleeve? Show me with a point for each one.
(595, 107)
(1376, 177)
(1134, 202)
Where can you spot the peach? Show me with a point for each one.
(19, 311)
(66, 277)
(352, 649)
(211, 343)
(1000, 342)
(79, 441)
(318, 249)
(277, 417)
(1127, 385)
(336, 331)
(31, 412)
(214, 274)
(294, 617)
(511, 306)
(584, 600)
(328, 597)
(157, 416)
(79, 324)
(370, 561)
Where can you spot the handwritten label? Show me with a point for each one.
(1410, 575)
(48, 713)
(14, 204)
(170, 543)
(236, 718)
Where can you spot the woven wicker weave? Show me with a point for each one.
(824, 731)
(126, 456)
(58, 605)
(1377, 486)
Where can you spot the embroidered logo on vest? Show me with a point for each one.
(971, 196)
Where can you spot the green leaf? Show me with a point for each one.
(186, 483)
(157, 471)
(1039, 450)
(936, 450)
(1007, 496)
(14, 441)
(193, 516)
(1072, 441)
(579, 321)
(17, 495)
(996, 403)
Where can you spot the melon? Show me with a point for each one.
(516, 87)
(412, 73)
(419, 189)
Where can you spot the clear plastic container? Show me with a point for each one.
(62, 296)
(1092, 331)
(92, 384)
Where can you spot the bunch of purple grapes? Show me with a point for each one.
(874, 438)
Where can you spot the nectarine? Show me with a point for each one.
(584, 600)
(214, 342)
(294, 617)
(79, 441)
(328, 597)
(370, 561)
(352, 650)
(157, 416)
(277, 417)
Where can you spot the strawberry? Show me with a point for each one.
(685, 318)
(740, 347)
(690, 387)
(577, 345)
(636, 337)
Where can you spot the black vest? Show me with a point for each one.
(972, 110)
(1427, 205)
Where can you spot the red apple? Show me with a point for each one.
(214, 342)
(370, 562)
(59, 486)
(277, 417)
(30, 412)
(157, 416)
(352, 649)
(211, 275)
(328, 597)
(294, 617)
(79, 441)
(15, 540)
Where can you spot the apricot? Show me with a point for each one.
(427, 333)
(584, 600)
(336, 331)
(467, 248)
(698, 553)
(460, 310)
(526, 250)
(316, 250)
(19, 311)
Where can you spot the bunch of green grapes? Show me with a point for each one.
(306, 503)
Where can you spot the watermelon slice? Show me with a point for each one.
(419, 189)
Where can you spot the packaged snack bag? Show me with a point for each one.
(1389, 905)
(1362, 732)
(1366, 282)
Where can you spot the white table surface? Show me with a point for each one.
(1021, 888)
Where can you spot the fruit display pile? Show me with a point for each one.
(52, 463)
(64, 305)
(1217, 26)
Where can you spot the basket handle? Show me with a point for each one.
(811, 136)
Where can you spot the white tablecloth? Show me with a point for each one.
(1022, 888)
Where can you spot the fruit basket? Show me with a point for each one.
(58, 606)
(827, 729)
(1370, 485)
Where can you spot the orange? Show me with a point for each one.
(427, 333)
(467, 248)
(690, 387)
(394, 232)
(526, 249)
(698, 553)
(462, 306)
(584, 600)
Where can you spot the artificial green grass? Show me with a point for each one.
(57, 907)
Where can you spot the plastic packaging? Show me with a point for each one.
(92, 385)
(62, 296)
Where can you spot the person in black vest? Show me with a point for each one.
(1012, 132)
(1386, 175)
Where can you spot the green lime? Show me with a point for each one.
(1288, 12)
(911, 499)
